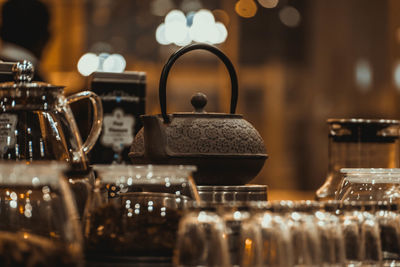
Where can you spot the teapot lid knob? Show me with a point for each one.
(23, 71)
(199, 101)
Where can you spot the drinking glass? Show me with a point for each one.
(304, 234)
(370, 235)
(234, 215)
(389, 225)
(351, 218)
(330, 232)
(135, 212)
(361, 234)
(38, 218)
(202, 239)
(266, 238)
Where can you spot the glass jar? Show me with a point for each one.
(359, 143)
(135, 212)
(38, 219)
(369, 185)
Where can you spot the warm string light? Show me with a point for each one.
(288, 15)
(246, 8)
(197, 26)
(90, 62)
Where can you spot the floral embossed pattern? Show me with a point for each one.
(202, 136)
(138, 143)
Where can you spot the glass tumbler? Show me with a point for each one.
(330, 232)
(266, 238)
(359, 143)
(202, 239)
(39, 224)
(234, 216)
(304, 234)
(388, 220)
(361, 234)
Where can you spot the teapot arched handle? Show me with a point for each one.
(97, 117)
(167, 67)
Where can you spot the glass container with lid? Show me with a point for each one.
(136, 210)
(359, 143)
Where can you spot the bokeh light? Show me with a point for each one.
(268, 3)
(197, 26)
(160, 35)
(175, 16)
(222, 31)
(290, 16)
(105, 62)
(246, 8)
(396, 75)
(203, 17)
(88, 64)
(363, 73)
(175, 31)
(114, 63)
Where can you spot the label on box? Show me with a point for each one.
(117, 130)
(8, 124)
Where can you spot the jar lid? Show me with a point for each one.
(363, 130)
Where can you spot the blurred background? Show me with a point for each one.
(299, 62)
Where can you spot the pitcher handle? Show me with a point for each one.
(97, 117)
(167, 67)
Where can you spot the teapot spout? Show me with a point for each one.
(154, 138)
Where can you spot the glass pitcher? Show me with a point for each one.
(359, 143)
(36, 122)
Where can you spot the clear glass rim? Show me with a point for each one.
(379, 179)
(31, 173)
(153, 195)
(122, 173)
(143, 168)
(362, 121)
(364, 171)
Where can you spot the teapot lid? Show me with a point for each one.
(23, 73)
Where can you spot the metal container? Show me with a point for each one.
(226, 148)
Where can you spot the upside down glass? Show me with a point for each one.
(359, 143)
(202, 239)
(39, 224)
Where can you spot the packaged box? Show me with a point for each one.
(123, 98)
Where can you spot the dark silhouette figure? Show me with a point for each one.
(24, 31)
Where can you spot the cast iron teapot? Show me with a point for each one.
(226, 149)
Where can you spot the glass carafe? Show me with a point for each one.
(359, 143)
(36, 122)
